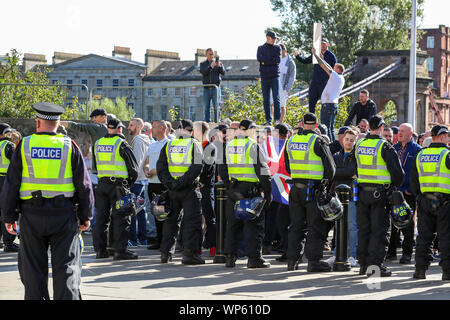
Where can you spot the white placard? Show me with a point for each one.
(317, 39)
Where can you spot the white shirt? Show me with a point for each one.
(153, 152)
(333, 88)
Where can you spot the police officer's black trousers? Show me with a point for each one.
(236, 228)
(283, 222)
(428, 223)
(408, 231)
(156, 188)
(57, 228)
(187, 200)
(105, 201)
(373, 223)
(300, 212)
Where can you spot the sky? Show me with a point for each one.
(234, 28)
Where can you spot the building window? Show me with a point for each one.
(99, 84)
(163, 92)
(149, 92)
(163, 112)
(131, 82)
(430, 42)
(192, 91)
(85, 82)
(150, 112)
(177, 92)
(115, 83)
(430, 64)
(69, 82)
(192, 113)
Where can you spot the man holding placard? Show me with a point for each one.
(320, 77)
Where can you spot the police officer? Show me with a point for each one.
(309, 162)
(117, 171)
(430, 181)
(45, 179)
(6, 151)
(244, 171)
(379, 171)
(178, 168)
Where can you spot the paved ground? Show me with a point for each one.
(148, 279)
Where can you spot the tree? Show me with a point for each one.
(249, 105)
(16, 101)
(349, 25)
(118, 108)
(390, 112)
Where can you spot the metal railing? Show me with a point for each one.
(216, 111)
(53, 85)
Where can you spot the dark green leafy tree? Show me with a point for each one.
(349, 25)
(16, 101)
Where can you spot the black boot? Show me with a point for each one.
(230, 260)
(166, 257)
(126, 255)
(419, 274)
(257, 263)
(102, 254)
(292, 264)
(191, 258)
(282, 258)
(384, 271)
(405, 259)
(318, 266)
(362, 269)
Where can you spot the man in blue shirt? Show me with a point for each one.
(320, 77)
(407, 151)
(269, 57)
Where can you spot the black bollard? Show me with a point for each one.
(340, 263)
(220, 200)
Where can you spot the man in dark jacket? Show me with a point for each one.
(346, 174)
(320, 77)
(211, 70)
(269, 57)
(407, 151)
(365, 108)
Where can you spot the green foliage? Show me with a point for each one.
(16, 101)
(118, 107)
(349, 25)
(390, 112)
(174, 113)
(249, 105)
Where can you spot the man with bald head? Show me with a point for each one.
(139, 144)
(407, 150)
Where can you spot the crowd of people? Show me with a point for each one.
(154, 186)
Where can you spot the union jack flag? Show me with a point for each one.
(275, 159)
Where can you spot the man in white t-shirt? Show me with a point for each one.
(330, 95)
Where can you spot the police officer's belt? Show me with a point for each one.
(369, 188)
(113, 180)
(435, 196)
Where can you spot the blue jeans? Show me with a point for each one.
(266, 86)
(328, 116)
(352, 230)
(141, 234)
(210, 94)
